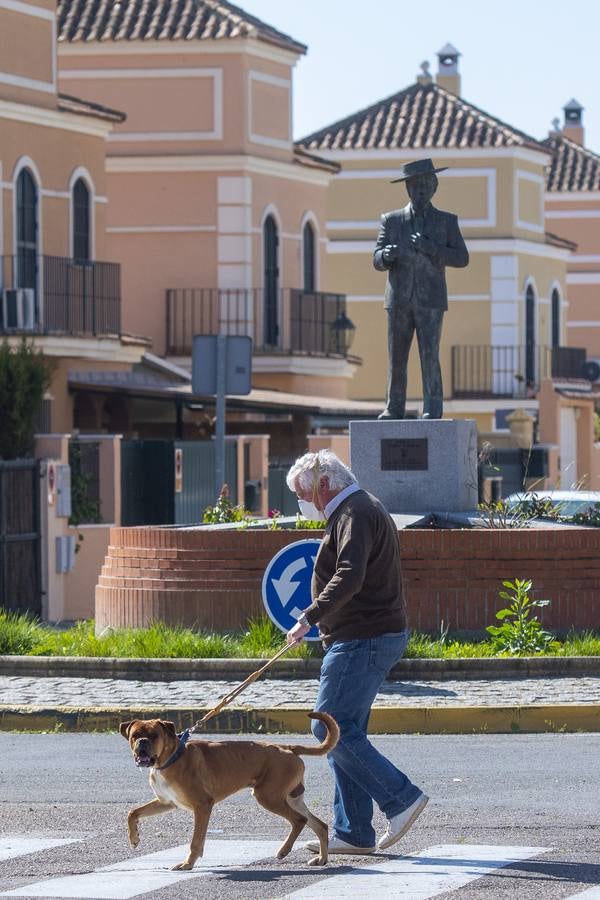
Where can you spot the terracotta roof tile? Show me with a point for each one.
(573, 167)
(423, 116)
(162, 20)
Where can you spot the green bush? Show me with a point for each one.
(25, 374)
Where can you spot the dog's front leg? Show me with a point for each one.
(202, 813)
(153, 808)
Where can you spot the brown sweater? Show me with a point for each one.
(356, 587)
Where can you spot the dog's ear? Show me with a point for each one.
(169, 727)
(124, 728)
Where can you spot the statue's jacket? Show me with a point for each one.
(416, 277)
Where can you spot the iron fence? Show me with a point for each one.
(511, 371)
(300, 321)
(58, 295)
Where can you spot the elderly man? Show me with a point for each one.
(359, 608)
(415, 244)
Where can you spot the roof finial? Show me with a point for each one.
(425, 75)
(556, 124)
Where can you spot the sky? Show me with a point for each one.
(521, 61)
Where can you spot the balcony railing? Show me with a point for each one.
(287, 321)
(58, 295)
(509, 371)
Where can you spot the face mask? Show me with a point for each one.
(310, 511)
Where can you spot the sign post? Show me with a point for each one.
(221, 365)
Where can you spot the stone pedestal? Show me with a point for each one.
(417, 465)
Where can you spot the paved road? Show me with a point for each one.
(78, 692)
(510, 816)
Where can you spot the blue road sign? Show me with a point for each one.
(286, 585)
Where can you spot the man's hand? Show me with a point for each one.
(296, 634)
(423, 243)
(390, 253)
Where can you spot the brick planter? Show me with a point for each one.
(211, 579)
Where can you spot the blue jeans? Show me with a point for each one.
(351, 675)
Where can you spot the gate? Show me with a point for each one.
(20, 543)
(147, 482)
(198, 488)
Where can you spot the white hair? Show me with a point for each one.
(309, 468)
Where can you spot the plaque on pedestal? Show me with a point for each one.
(417, 465)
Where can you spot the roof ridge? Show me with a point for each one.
(163, 20)
(578, 148)
(456, 102)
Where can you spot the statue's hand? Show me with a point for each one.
(424, 244)
(390, 252)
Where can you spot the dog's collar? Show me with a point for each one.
(183, 739)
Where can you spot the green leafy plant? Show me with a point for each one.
(309, 524)
(274, 515)
(589, 516)
(499, 514)
(85, 508)
(225, 511)
(25, 374)
(520, 633)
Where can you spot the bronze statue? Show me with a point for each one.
(414, 246)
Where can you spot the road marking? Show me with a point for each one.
(140, 875)
(13, 846)
(592, 893)
(418, 876)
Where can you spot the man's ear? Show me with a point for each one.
(169, 728)
(125, 727)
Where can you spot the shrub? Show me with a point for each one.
(224, 511)
(520, 634)
(25, 374)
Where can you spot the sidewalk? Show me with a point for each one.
(413, 705)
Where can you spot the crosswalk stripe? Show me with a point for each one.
(418, 876)
(12, 846)
(142, 874)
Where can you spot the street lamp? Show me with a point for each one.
(343, 330)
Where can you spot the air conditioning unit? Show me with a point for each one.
(18, 309)
(591, 370)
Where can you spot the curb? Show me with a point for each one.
(287, 720)
(221, 669)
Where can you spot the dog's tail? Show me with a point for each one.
(331, 739)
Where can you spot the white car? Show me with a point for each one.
(566, 503)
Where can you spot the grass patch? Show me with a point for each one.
(20, 635)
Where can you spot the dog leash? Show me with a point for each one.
(230, 696)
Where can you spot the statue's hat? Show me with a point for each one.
(417, 167)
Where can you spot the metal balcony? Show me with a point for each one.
(58, 295)
(289, 321)
(511, 371)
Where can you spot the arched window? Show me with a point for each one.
(27, 230)
(81, 220)
(555, 335)
(271, 281)
(529, 336)
(308, 252)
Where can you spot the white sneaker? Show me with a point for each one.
(337, 845)
(399, 825)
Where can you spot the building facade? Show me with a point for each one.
(217, 220)
(56, 285)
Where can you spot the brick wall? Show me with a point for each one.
(212, 579)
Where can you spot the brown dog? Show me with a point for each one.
(198, 775)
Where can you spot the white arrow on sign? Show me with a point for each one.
(284, 586)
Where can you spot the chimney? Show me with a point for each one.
(573, 127)
(448, 75)
(424, 76)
